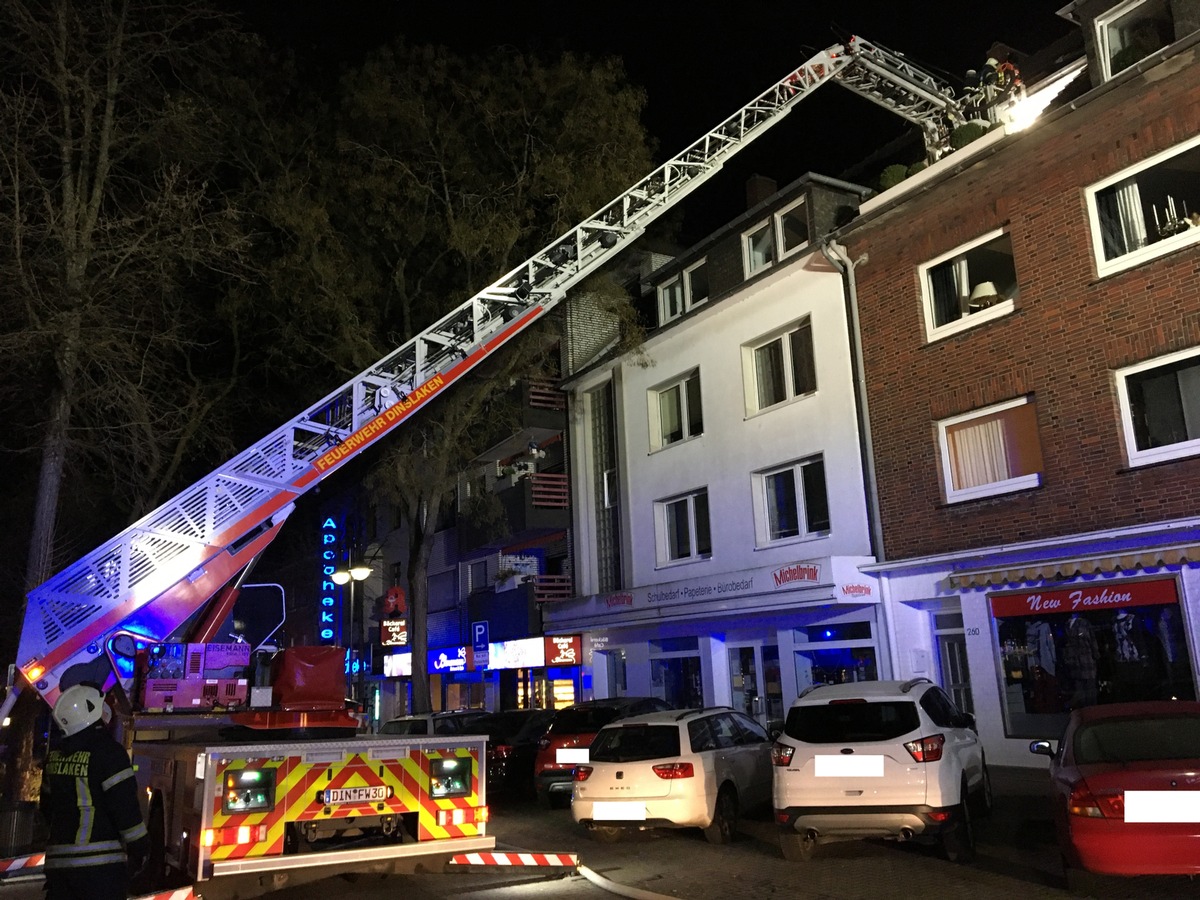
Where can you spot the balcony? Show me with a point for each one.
(541, 415)
(517, 613)
(537, 505)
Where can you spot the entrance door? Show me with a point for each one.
(953, 651)
(754, 682)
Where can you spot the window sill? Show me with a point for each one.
(791, 542)
(971, 320)
(1164, 247)
(654, 451)
(1159, 455)
(754, 413)
(995, 489)
(677, 563)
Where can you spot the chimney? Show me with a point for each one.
(758, 189)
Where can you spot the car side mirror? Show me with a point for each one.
(1041, 748)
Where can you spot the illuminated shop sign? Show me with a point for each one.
(393, 632)
(452, 660)
(330, 607)
(1112, 595)
(563, 649)
(397, 665)
(525, 653)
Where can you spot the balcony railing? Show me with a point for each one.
(552, 587)
(544, 395)
(549, 490)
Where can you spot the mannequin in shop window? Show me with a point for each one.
(1133, 674)
(1041, 659)
(1081, 654)
(1169, 631)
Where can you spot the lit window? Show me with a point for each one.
(1131, 32)
(780, 368)
(683, 292)
(793, 228)
(970, 285)
(1147, 211)
(758, 245)
(791, 501)
(991, 451)
(675, 411)
(682, 526)
(1160, 408)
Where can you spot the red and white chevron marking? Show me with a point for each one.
(569, 860)
(177, 894)
(22, 865)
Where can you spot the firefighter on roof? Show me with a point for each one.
(89, 798)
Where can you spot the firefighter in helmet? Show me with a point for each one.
(89, 798)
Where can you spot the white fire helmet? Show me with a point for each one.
(78, 707)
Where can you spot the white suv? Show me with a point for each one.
(885, 759)
(682, 768)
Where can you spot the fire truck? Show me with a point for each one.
(252, 773)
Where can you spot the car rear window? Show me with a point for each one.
(412, 726)
(630, 743)
(583, 720)
(847, 723)
(1138, 739)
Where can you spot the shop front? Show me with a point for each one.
(752, 639)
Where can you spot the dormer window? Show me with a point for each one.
(683, 292)
(785, 233)
(1131, 32)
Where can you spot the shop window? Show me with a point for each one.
(1063, 649)
(834, 653)
(683, 529)
(1146, 211)
(780, 367)
(1160, 408)
(1131, 32)
(972, 284)
(758, 247)
(676, 413)
(675, 672)
(682, 293)
(791, 502)
(991, 451)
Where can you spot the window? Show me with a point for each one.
(991, 451)
(1160, 408)
(970, 285)
(1131, 32)
(793, 228)
(682, 526)
(780, 368)
(1141, 214)
(477, 579)
(792, 502)
(675, 411)
(758, 246)
(683, 292)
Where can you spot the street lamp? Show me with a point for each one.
(352, 575)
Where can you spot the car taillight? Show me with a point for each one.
(927, 749)
(581, 773)
(502, 751)
(781, 754)
(1096, 806)
(670, 771)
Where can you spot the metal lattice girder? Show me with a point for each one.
(153, 576)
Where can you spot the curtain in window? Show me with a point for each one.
(1122, 219)
(670, 416)
(978, 454)
(947, 305)
(783, 519)
(768, 371)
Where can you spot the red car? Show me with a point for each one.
(1125, 788)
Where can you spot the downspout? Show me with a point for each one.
(840, 260)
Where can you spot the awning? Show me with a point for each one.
(1066, 569)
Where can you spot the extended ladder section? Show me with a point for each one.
(155, 576)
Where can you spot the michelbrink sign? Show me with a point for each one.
(1085, 598)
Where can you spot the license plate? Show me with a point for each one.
(356, 794)
(618, 811)
(849, 766)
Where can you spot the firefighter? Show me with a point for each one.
(89, 798)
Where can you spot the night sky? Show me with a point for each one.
(699, 62)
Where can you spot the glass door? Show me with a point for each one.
(754, 682)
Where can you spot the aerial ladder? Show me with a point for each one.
(174, 574)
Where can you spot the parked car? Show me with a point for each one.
(694, 768)
(1125, 789)
(565, 744)
(886, 759)
(457, 721)
(512, 747)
